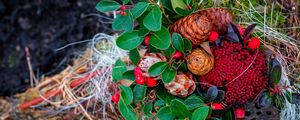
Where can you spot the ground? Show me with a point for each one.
(42, 26)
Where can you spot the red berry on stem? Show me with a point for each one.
(123, 7)
(146, 40)
(151, 82)
(213, 36)
(116, 97)
(177, 55)
(216, 106)
(140, 80)
(137, 71)
(241, 30)
(122, 12)
(254, 43)
(239, 113)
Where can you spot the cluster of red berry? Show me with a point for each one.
(238, 112)
(232, 62)
(141, 80)
(122, 10)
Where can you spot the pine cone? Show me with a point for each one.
(197, 26)
(200, 62)
(194, 27)
(182, 86)
(219, 18)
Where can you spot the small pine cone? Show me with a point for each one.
(182, 86)
(219, 18)
(195, 27)
(148, 60)
(200, 62)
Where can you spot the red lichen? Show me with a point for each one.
(236, 71)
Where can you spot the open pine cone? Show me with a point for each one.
(182, 85)
(198, 26)
(200, 62)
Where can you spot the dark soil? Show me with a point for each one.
(42, 26)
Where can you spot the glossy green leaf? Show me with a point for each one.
(139, 92)
(118, 70)
(129, 75)
(187, 44)
(157, 68)
(163, 94)
(165, 113)
(200, 113)
(125, 2)
(179, 109)
(123, 22)
(167, 4)
(178, 42)
(194, 102)
(182, 67)
(129, 40)
(153, 19)
(187, 1)
(227, 115)
(126, 110)
(126, 94)
(178, 4)
(107, 5)
(161, 39)
(183, 12)
(139, 9)
(148, 109)
(168, 75)
(170, 51)
(159, 103)
(134, 56)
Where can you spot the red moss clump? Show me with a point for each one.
(231, 60)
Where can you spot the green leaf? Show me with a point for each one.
(123, 22)
(165, 113)
(107, 5)
(153, 19)
(157, 68)
(139, 9)
(187, 44)
(183, 12)
(129, 40)
(179, 109)
(161, 39)
(227, 116)
(139, 92)
(125, 2)
(178, 42)
(163, 94)
(126, 110)
(159, 103)
(170, 51)
(275, 71)
(167, 4)
(118, 70)
(126, 94)
(129, 75)
(182, 67)
(134, 56)
(200, 113)
(148, 109)
(168, 75)
(194, 102)
(187, 1)
(178, 4)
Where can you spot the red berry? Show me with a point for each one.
(146, 40)
(123, 13)
(151, 82)
(140, 80)
(116, 97)
(254, 43)
(177, 55)
(239, 113)
(213, 36)
(137, 71)
(216, 106)
(241, 30)
(123, 7)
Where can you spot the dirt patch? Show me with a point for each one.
(42, 26)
